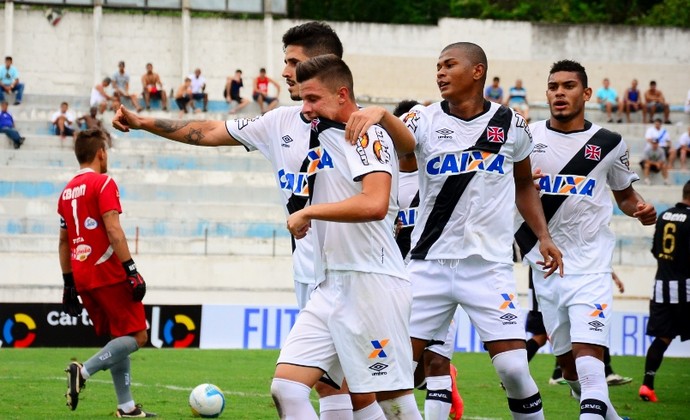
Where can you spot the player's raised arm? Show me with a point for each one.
(360, 121)
(195, 132)
(529, 206)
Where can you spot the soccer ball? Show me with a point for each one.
(207, 401)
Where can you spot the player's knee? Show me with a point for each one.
(142, 338)
(286, 394)
(513, 370)
(436, 365)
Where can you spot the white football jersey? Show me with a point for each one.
(282, 136)
(576, 167)
(365, 247)
(466, 185)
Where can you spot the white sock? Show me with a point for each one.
(292, 400)
(575, 387)
(127, 407)
(594, 403)
(438, 397)
(84, 373)
(401, 408)
(335, 407)
(523, 396)
(371, 412)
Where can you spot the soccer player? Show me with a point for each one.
(577, 160)
(669, 308)
(282, 136)
(476, 169)
(436, 357)
(357, 317)
(97, 265)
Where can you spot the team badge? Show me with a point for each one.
(592, 152)
(314, 124)
(495, 134)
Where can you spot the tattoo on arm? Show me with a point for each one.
(170, 126)
(194, 137)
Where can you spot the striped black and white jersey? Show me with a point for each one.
(282, 136)
(576, 167)
(671, 248)
(365, 247)
(466, 185)
(408, 200)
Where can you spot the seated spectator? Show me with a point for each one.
(199, 87)
(63, 121)
(517, 99)
(121, 87)
(260, 93)
(654, 160)
(183, 96)
(232, 92)
(607, 98)
(153, 88)
(632, 101)
(10, 82)
(658, 134)
(683, 149)
(654, 101)
(90, 120)
(7, 126)
(99, 97)
(494, 92)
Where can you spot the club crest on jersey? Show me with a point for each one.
(468, 161)
(408, 217)
(81, 252)
(314, 124)
(495, 134)
(592, 152)
(410, 120)
(567, 185)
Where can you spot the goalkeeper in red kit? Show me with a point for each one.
(97, 265)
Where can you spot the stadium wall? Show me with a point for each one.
(389, 61)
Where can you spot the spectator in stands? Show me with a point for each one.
(683, 149)
(260, 93)
(654, 160)
(632, 101)
(121, 87)
(232, 92)
(10, 82)
(494, 92)
(99, 97)
(153, 88)
(7, 126)
(517, 99)
(62, 122)
(199, 88)
(183, 96)
(607, 98)
(659, 134)
(654, 101)
(90, 120)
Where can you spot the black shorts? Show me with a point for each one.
(197, 96)
(535, 323)
(182, 103)
(669, 320)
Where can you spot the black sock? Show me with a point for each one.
(608, 370)
(655, 355)
(532, 348)
(557, 372)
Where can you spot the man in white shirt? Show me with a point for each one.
(199, 88)
(62, 122)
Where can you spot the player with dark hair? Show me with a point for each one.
(669, 308)
(282, 136)
(476, 169)
(577, 159)
(347, 323)
(97, 265)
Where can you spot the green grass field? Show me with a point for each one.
(32, 385)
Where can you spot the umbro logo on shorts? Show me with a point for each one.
(509, 319)
(378, 348)
(378, 369)
(596, 325)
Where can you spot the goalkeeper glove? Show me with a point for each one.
(135, 280)
(70, 301)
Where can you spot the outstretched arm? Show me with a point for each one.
(360, 121)
(195, 132)
(529, 206)
(631, 203)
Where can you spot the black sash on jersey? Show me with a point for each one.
(297, 202)
(404, 237)
(578, 165)
(455, 185)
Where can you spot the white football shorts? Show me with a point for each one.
(485, 289)
(448, 347)
(576, 308)
(302, 293)
(358, 322)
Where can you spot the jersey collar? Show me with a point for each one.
(588, 125)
